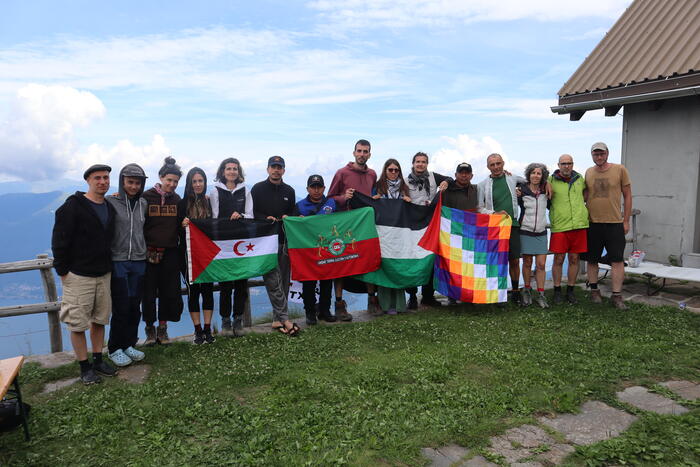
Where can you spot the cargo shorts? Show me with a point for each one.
(86, 300)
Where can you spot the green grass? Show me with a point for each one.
(372, 393)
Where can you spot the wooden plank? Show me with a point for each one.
(48, 281)
(9, 369)
(34, 308)
(28, 265)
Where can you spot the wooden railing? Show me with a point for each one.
(53, 305)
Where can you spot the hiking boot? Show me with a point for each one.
(311, 318)
(526, 297)
(618, 302)
(208, 337)
(596, 297)
(226, 328)
(326, 316)
(430, 301)
(150, 335)
(134, 355)
(341, 311)
(89, 377)
(103, 368)
(162, 334)
(119, 358)
(557, 297)
(541, 300)
(570, 297)
(198, 338)
(412, 303)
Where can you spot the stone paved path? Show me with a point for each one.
(531, 446)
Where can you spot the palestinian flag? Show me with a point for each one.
(472, 254)
(220, 250)
(400, 225)
(332, 245)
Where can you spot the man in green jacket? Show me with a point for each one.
(569, 219)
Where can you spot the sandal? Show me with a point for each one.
(282, 329)
(294, 330)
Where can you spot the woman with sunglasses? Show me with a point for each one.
(391, 185)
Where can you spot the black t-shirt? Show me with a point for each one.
(102, 211)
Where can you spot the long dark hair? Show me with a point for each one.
(220, 171)
(198, 206)
(382, 184)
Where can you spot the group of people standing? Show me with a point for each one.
(123, 255)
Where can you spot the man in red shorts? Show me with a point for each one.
(569, 219)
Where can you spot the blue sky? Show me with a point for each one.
(84, 82)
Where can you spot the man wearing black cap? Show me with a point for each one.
(460, 193)
(81, 240)
(316, 203)
(272, 200)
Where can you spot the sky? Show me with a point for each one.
(85, 82)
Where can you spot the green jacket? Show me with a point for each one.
(568, 210)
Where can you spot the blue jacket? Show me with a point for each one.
(307, 208)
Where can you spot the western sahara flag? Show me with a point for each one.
(220, 250)
(332, 245)
(400, 225)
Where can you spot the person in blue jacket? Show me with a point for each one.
(316, 203)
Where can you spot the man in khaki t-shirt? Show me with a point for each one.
(606, 184)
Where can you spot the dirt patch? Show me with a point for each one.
(135, 374)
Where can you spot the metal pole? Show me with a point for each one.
(51, 295)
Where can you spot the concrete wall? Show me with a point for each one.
(661, 150)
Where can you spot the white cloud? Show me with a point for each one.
(38, 140)
(241, 65)
(511, 107)
(355, 14)
(465, 148)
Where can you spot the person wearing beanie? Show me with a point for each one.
(161, 230)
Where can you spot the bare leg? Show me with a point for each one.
(558, 267)
(207, 316)
(592, 273)
(338, 286)
(77, 339)
(618, 275)
(572, 271)
(527, 270)
(97, 337)
(540, 261)
(195, 318)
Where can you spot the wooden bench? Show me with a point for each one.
(657, 271)
(9, 376)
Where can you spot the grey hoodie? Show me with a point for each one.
(128, 243)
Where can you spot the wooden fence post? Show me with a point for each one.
(51, 295)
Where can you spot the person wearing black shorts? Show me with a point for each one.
(606, 184)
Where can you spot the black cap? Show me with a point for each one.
(464, 167)
(96, 168)
(315, 180)
(275, 160)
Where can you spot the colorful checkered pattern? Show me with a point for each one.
(472, 261)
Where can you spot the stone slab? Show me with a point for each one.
(52, 360)
(596, 422)
(135, 374)
(686, 389)
(654, 300)
(478, 461)
(444, 456)
(60, 384)
(641, 398)
(526, 464)
(556, 454)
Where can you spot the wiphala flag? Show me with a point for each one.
(472, 254)
(400, 226)
(332, 245)
(220, 250)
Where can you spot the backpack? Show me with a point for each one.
(10, 417)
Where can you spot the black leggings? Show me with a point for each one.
(162, 282)
(207, 293)
(240, 295)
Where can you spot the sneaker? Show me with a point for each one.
(326, 316)
(311, 318)
(119, 358)
(226, 328)
(515, 297)
(570, 297)
(208, 337)
(150, 335)
(162, 334)
(557, 298)
(391, 312)
(526, 298)
(412, 303)
(90, 377)
(596, 297)
(618, 302)
(198, 338)
(541, 300)
(430, 301)
(135, 355)
(341, 311)
(105, 369)
(451, 301)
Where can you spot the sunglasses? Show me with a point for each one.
(392, 170)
